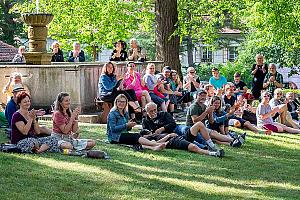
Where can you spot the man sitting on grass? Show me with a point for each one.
(199, 112)
(163, 122)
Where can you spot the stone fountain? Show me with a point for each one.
(37, 35)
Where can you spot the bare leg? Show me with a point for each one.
(194, 148)
(146, 94)
(66, 145)
(222, 130)
(163, 107)
(249, 126)
(42, 148)
(145, 141)
(90, 144)
(45, 130)
(220, 137)
(155, 148)
(171, 107)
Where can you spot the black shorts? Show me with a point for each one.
(128, 138)
(242, 121)
(178, 142)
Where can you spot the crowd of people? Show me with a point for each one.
(150, 98)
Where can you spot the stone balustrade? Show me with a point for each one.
(78, 79)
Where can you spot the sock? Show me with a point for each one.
(211, 144)
(213, 153)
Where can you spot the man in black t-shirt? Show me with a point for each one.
(240, 86)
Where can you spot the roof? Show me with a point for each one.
(227, 30)
(7, 52)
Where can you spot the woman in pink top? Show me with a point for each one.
(65, 125)
(132, 80)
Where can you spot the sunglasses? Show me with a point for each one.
(266, 95)
(278, 93)
(192, 72)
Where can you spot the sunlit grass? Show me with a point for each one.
(266, 167)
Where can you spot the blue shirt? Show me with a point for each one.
(116, 124)
(106, 84)
(10, 109)
(218, 83)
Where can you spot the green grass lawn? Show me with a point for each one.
(266, 167)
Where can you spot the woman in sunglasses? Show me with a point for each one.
(264, 115)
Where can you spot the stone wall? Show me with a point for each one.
(46, 81)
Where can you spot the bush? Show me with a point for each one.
(227, 70)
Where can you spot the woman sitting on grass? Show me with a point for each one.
(264, 115)
(65, 125)
(25, 129)
(118, 127)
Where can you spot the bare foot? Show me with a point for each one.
(159, 147)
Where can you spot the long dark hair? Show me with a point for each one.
(104, 69)
(59, 99)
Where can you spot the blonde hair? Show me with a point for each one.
(148, 66)
(121, 96)
(54, 43)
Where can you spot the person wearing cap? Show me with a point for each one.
(217, 80)
(119, 53)
(199, 112)
(11, 106)
(240, 86)
(168, 91)
(15, 78)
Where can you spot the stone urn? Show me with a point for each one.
(37, 35)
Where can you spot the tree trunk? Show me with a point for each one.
(190, 52)
(167, 45)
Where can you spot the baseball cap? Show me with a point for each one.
(18, 88)
(167, 68)
(201, 91)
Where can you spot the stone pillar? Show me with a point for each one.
(37, 35)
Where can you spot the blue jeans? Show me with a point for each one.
(182, 130)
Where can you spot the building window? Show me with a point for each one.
(232, 53)
(206, 55)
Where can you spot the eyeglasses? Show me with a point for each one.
(266, 95)
(120, 101)
(152, 111)
(278, 93)
(151, 68)
(131, 65)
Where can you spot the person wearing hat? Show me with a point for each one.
(11, 106)
(119, 53)
(15, 78)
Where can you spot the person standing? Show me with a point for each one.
(259, 71)
(58, 55)
(76, 55)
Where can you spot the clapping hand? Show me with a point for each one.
(32, 114)
(76, 112)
